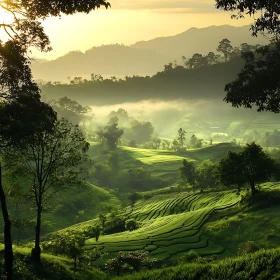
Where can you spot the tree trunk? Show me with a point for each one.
(253, 188)
(36, 251)
(9, 256)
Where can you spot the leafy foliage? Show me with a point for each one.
(127, 261)
(111, 133)
(265, 13)
(131, 224)
(225, 48)
(252, 165)
(258, 82)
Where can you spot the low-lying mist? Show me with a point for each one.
(201, 117)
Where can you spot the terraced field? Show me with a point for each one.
(169, 226)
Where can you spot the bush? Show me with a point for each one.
(248, 247)
(190, 256)
(127, 262)
(131, 224)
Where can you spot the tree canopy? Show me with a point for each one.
(251, 166)
(266, 13)
(258, 82)
(26, 28)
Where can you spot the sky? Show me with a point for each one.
(129, 21)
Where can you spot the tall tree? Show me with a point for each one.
(181, 137)
(225, 48)
(51, 162)
(20, 104)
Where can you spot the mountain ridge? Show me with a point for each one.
(142, 58)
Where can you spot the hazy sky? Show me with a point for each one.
(129, 21)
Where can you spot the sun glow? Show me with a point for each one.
(5, 18)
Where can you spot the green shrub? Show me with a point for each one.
(190, 256)
(131, 224)
(126, 262)
(248, 247)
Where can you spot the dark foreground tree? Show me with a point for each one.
(258, 83)
(51, 161)
(265, 13)
(24, 29)
(7, 231)
(20, 105)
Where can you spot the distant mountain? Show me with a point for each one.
(142, 58)
(201, 40)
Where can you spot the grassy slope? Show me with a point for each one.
(162, 164)
(262, 265)
(72, 206)
(170, 226)
(51, 267)
(78, 205)
(259, 223)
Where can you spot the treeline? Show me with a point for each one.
(194, 78)
(247, 168)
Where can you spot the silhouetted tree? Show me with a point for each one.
(139, 131)
(266, 13)
(258, 82)
(225, 48)
(51, 162)
(195, 142)
(211, 58)
(156, 143)
(25, 30)
(175, 145)
(112, 133)
(181, 137)
(70, 109)
(21, 115)
(196, 61)
(121, 114)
